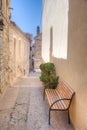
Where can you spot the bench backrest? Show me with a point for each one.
(64, 90)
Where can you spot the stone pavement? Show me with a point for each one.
(22, 108)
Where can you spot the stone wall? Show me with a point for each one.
(14, 49)
(18, 52)
(4, 44)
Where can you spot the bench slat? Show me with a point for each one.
(62, 94)
(62, 91)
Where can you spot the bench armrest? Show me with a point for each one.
(58, 100)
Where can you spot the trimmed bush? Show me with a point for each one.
(48, 74)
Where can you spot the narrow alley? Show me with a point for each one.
(43, 42)
(22, 107)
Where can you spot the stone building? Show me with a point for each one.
(14, 48)
(30, 37)
(19, 45)
(37, 49)
(64, 42)
(4, 43)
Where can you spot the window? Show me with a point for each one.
(30, 48)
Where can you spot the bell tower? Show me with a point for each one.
(38, 30)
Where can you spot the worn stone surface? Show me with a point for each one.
(29, 111)
(9, 98)
(4, 119)
(14, 107)
(38, 113)
(18, 117)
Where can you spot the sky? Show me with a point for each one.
(27, 14)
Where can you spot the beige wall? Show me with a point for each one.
(18, 53)
(72, 68)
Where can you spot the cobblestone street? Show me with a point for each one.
(22, 108)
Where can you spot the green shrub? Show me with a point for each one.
(44, 78)
(48, 74)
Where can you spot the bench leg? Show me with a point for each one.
(44, 94)
(68, 117)
(49, 115)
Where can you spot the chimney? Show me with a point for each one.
(38, 30)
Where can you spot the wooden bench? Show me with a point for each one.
(59, 99)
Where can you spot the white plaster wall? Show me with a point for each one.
(58, 20)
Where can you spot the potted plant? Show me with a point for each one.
(48, 75)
